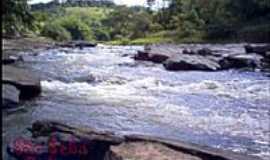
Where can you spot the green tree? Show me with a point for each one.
(130, 23)
(16, 16)
(56, 32)
(77, 29)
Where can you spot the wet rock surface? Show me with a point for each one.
(60, 141)
(175, 58)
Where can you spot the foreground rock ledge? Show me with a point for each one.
(59, 141)
(19, 84)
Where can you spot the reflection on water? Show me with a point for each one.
(105, 88)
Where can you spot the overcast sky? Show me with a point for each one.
(126, 2)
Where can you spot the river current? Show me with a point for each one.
(105, 88)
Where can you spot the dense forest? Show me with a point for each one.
(103, 21)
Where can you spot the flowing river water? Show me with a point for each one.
(105, 88)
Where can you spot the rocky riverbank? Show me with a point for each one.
(177, 57)
(51, 139)
(19, 84)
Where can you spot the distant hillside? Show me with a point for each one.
(71, 3)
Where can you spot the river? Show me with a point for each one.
(105, 88)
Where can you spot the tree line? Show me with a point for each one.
(191, 20)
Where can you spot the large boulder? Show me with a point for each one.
(241, 61)
(191, 62)
(59, 141)
(10, 96)
(60, 146)
(25, 81)
(153, 57)
(154, 53)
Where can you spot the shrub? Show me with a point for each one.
(56, 32)
(102, 34)
(220, 31)
(255, 33)
(77, 29)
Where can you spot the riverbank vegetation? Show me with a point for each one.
(177, 21)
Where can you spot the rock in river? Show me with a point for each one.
(191, 62)
(262, 50)
(64, 142)
(27, 83)
(60, 141)
(10, 59)
(241, 61)
(154, 57)
(176, 58)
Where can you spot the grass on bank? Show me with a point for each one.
(158, 38)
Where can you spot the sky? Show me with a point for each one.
(125, 2)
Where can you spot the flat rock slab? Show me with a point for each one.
(25, 81)
(102, 145)
(148, 151)
(203, 152)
